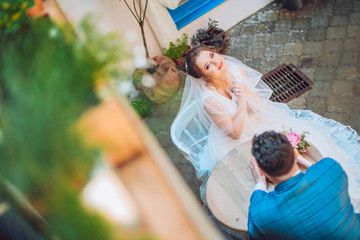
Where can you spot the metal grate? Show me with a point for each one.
(287, 82)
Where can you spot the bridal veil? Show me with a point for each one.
(207, 143)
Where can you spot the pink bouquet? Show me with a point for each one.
(297, 141)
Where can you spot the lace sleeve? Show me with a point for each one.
(230, 121)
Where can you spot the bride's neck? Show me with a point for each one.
(221, 83)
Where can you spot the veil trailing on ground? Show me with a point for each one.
(205, 120)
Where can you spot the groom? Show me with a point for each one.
(314, 205)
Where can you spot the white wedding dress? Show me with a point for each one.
(331, 138)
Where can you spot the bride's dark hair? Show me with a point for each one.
(187, 62)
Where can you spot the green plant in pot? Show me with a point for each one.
(175, 50)
(159, 81)
(212, 37)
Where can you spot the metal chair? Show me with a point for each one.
(189, 136)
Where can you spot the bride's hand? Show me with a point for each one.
(239, 88)
(303, 162)
(241, 101)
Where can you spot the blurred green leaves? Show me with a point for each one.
(143, 106)
(13, 14)
(48, 76)
(176, 50)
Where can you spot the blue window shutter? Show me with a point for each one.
(191, 10)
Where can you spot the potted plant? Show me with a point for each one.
(294, 4)
(158, 81)
(175, 50)
(212, 37)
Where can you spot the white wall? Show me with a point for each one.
(115, 16)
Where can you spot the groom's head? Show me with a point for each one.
(273, 153)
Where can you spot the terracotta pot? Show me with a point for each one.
(294, 4)
(224, 36)
(159, 82)
(37, 10)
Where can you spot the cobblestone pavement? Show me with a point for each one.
(322, 39)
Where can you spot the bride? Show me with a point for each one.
(232, 104)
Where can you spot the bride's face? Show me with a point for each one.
(211, 64)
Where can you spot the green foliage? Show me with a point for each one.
(176, 50)
(213, 24)
(106, 49)
(210, 35)
(143, 106)
(47, 79)
(13, 14)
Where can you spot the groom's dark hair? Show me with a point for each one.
(273, 153)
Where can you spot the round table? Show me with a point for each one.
(231, 184)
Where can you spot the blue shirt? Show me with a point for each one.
(314, 205)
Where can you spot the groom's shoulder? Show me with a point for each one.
(326, 166)
(327, 163)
